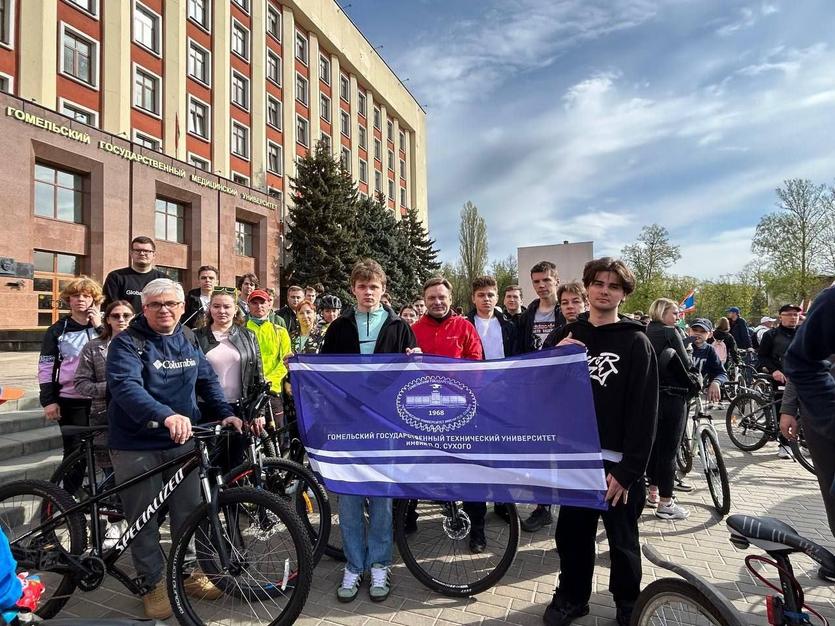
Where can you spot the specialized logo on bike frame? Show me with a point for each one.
(600, 367)
(436, 404)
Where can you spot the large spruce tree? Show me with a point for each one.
(379, 240)
(323, 224)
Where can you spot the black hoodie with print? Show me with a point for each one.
(624, 382)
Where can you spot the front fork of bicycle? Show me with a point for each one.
(210, 494)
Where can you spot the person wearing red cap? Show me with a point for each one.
(274, 342)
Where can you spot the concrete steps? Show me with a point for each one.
(30, 446)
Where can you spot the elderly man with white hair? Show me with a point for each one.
(155, 371)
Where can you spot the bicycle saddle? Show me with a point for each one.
(772, 535)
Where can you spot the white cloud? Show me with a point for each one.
(473, 59)
(746, 18)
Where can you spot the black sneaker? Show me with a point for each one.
(561, 613)
(539, 518)
(624, 615)
(478, 542)
(501, 510)
(682, 486)
(825, 574)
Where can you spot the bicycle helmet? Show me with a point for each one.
(330, 302)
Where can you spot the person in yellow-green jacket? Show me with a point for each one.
(274, 342)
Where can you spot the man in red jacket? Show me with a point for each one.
(441, 332)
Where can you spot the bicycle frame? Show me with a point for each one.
(196, 458)
(701, 421)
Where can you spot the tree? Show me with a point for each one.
(461, 287)
(506, 272)
(323, 230)
(472, 242)
(793, 238)
(378, 239)
(418, 257)
(651, 254)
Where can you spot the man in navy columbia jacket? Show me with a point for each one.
(154, 374)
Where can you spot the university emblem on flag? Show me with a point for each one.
(436, 404)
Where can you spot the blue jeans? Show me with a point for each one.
(365, 547)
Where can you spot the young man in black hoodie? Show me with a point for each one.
(624, 378)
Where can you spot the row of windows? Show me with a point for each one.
(61, 195)
(80, 57)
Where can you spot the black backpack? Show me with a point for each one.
(689, 380)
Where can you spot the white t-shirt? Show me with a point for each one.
(490, 331)
(205, 301)
(543, 324)
(226, 362)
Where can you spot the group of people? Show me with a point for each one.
(160, 354)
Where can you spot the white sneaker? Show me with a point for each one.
(113, 533)
(783, 453)
(671, 511)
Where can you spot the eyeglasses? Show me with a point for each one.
(121, 316)
(168, 304)
(230, 290)
(135, 251)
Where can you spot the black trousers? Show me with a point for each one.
(74, 412)
(576, 531)
(672, 418)
(822, 449)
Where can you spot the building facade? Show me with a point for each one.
(570, 259)
(182, 120)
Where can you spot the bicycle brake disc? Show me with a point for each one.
(457, 529)
(263, 526)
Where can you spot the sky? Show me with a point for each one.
(587, 119)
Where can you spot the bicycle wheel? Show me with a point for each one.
(675, 601)
(333, 548)
(270, 564)
(296, 485)
(747, 422)
(75, 464)
(715, 472)
(24, 506)
(684, 453)
(800, 449)
(438, 554)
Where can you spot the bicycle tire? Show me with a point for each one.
(666, 591)
(720, 493)
(684, 453)
(60, 585)
(265, 517)
(295, 484)
(800, 450)
(742, 415)
(430, 522)
(333, 548)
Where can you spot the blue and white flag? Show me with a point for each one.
(520, 429)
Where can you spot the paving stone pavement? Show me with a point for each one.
(761, 484)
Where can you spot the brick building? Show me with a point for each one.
(181, 120)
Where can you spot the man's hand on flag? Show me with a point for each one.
(615, 491)
(571, 341)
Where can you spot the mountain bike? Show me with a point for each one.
(286, 478)
(248, 542)
(699, 438)
(752, 421)
(695, 601)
